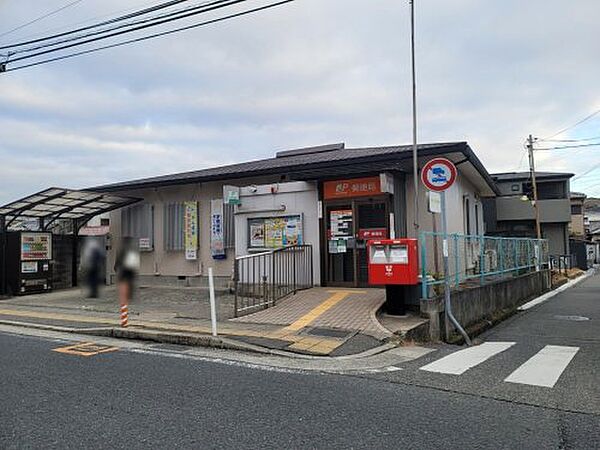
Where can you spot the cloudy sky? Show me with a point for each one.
(308, 73)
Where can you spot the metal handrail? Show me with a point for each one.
(263, 278)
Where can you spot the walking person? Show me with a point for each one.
(127, 265)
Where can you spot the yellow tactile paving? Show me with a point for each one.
(336, 297)
(299, 342)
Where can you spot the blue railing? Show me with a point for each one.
(477, 257)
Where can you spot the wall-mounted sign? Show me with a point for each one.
(145, 244)
(275, 232)
(372, 233)
(36, 246)
(438, 174)
(190, 230)
(231, 195)
(217, 240)
(356, 187)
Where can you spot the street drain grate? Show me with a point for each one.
(328, 332)
(573, 318)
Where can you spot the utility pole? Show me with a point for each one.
(538, 229)
(414, 118)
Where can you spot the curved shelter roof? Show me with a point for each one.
(60, 203)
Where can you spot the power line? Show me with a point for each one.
(585, 119)
(37, 19)
(144, 38)
(194, 11)
(106, 22)
(568, 146)
(205, 5)
(590, 170)
(570, 140)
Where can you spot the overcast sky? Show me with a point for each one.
(308, 73)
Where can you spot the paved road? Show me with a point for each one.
(548, 356)
(127, 399)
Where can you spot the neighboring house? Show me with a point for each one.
(577, 224)
(512, 212)
(331, 197)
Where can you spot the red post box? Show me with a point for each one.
(393, 262)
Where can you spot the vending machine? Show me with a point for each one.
(28, 262)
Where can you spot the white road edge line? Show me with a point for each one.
(545, 367)
(459, 362)
(548, 295)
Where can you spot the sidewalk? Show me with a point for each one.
(303, 323)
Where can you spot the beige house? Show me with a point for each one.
(331, 197)
(577, 224)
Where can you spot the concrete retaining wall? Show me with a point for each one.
(478, 306)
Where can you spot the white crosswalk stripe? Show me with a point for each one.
(459, 362)
(545, 367)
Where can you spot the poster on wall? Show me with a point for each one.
(257, 233)
(36, 246)
(341, 223)
(217, 239)
(190, 230)
(275, 232)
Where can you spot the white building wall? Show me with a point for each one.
(277, 200)
(455, 206)
(160, 262)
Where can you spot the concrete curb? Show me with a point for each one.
(189, 339)
(548, 295)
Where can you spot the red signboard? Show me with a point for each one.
(356, 187)
(372, 233)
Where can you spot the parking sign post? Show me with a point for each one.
(438, 175)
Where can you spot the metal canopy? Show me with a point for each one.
(58, 203)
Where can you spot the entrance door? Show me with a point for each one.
(349, 226)
(372, 224)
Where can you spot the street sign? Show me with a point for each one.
(435, 202)
(438, 174)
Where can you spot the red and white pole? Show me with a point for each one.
(124, 315)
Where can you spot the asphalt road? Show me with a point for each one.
(127, 399)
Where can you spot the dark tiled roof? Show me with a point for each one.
(303, 161)
(514, 176)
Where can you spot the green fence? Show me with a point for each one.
(477, 259)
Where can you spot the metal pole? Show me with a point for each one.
(447, 303)
(538, 228)
(2, 256)
(213, 307)
(414, 117)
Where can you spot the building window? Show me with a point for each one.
(104, 222)
(173, 224)
(229, 225)
(467, 214)
(137, 222)
(547, 190)
(576, 210)
(515, 188)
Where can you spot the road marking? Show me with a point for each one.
(545, 367)
(384, 369)
(85, 349)
(336, 297)
(459, 362)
